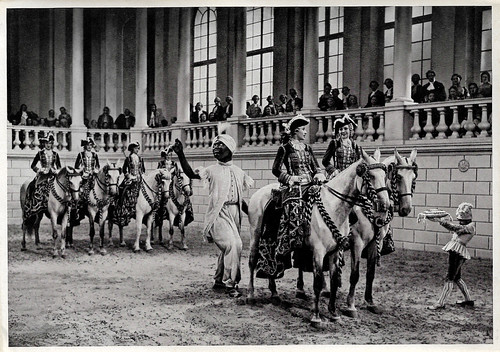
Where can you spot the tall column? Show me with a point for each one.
(239, 62)
(402, 54)
(184, 67)
(77, 69)
(78, 129)
(141, 79)
(310, 90)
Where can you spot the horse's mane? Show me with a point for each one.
(344, 174)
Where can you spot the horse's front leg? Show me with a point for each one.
(55, 232)
(370, 276)
(334, 263)
(110, 229)
(356, 250)
(170, 240)
(102, 222)
(91, 232)
(23, 243)
(37, 232)
(317, 286)
(149, 230)
(138, 228)
(252, 264)
(64, 228)
(122, 241)
(184, 245)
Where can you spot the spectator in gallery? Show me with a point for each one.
(434, 86)
(453, 94)
(23, 115)
(281, 105)
(485, 89)
(456, 80)
(64, 117)
(389, 92)
(377, 94)
(474, 91)
(417, 91)
(352, 102)
(270, 108)
(431, 97)
(217, 113)
(105, 120)
(125, 120)
(228, 109)
(339, 105)
(50, 120)
(156, 118)
(346, 93)
(254, 110)
(199, 115)
(323, 99)
(294, 103)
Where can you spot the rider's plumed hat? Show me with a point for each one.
(87, 141)
(227, 140)
(132, 145)
(343, 121)
(295, 122)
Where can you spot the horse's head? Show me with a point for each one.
(72, 179)
(402, 177)
(112, 174)
(372, 183)
(183, 181)
(163, 179)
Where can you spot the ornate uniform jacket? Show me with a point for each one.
(89, 161)
(133, 165)
(340, 157)
(298, 159)
(47, 159)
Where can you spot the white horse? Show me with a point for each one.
(176, 205)
(64, 193)
(151, 188)
(328, 225)
(401, 181)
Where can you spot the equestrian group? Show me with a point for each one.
(109, 192)
(348, 205)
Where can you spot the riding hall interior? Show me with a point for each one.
(130, 58)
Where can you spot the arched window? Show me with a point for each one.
(204, 60)
(260, 43)
(421, 35)
(331, 47)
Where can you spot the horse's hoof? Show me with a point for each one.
(63, 256)
(91, 252)
(184, 247)
(54, 256)
(351, 313)
(23, 249)
(325, 294)
(334, 316)
(301, 295)
(149, 250)
(375, 309)
(169, 246)
(104, 251)
(317, 323)
(70, 245)
(275, 300)
(123, 244)
(137, 250)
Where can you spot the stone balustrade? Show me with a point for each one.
(263, 131)
(157, 138)
(25, 139)
(199, 136)
(452, 119)
(110, 140)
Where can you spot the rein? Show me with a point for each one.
(180, 188)
(100, 203)
(156, 194)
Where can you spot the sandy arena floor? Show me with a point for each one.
(165, 298)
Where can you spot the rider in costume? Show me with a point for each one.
(301, 169)
(133, 168)
(45, 164)
(88, 162)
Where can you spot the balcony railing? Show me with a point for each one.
(465, 119)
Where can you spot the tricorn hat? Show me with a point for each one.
(87, 141)
(343, 121)
(132, 145)
(295, 122)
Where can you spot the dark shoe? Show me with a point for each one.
(465, 303)
(436, 307)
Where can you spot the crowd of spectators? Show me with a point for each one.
(432, 91)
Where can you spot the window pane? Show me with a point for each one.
(321, 66)
(486, 19)
(256, 29)
(256, 43)
(212, 39)
(334, 46)
(255, 76)
(486, 40)
(415, 68)
(426, 54)
(256, 61)
(266, 40)
(389, 14)
(332, 64)
(334, 11)
(486, 61)
(249, 44)
(341, 24)
(417, 11)
(212, 27)
(341, 45)
(267, 27)
(334, 26)
(416, 32)
(197, 56)
(321, 13)
(427, 30)
(212, 70)
(266, 75)
(332, 78)
(427, 10)
(426, 66)
(416, 51)
(321, 29)
(212, 53)
(389, 71)
(321, 49)
(389, 37)
(389, 55)
(266, 60)
(268, 13)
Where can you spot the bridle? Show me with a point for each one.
(105, 187)
(396, 195)
(66, 188)
(180, 187)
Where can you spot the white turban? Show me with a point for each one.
(227, 140)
